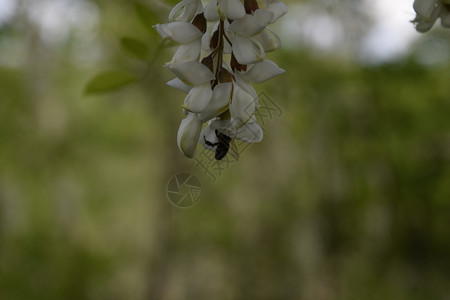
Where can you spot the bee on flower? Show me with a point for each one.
(216, 65)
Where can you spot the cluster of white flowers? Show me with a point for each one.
(428, 11)
(216, 64)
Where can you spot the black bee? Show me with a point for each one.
(223, 145)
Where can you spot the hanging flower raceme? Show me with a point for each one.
(216, 65)
(428, 11)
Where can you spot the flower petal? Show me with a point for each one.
(192, 72)
(278, 9)
(179, 85)
(242, 106)
(198, 98)
(211, 11)
(245, 84)
(179, 32)
(445, 19)
(232, 9)
(219, 102)
(425, 8)
(247, 50)
(187, 52)
(263, 71)
(251, 132)
(269, 44)
(188, 134)
(251, 25)
(206, 41)
(190, 9)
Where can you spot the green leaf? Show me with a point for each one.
(147, 17)
(108, 81)
(134, 47)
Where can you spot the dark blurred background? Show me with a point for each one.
(347, 196)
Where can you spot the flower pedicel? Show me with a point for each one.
(216, 65)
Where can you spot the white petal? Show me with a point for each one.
(192, 72)
(206, 41)
(251, 25)
(232, 9)
(198, 98)
(425, 8)
(187, 52)
(278, 9)
(190, 9)
(263, 71)
(269, 44)
(211, 11)
(219, 102)
(251, 132)
(445, 19)
(245, 84)
(242, 106)
(188, 134)
(179, 85)
(179, 32)
(247, 50)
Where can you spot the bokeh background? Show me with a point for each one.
(347, 196)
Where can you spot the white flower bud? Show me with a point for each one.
(232, 9)
(188, 134)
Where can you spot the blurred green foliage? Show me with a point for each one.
(347, 196)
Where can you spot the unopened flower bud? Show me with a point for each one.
(188, 134)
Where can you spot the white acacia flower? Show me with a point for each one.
(278, 9)
(428, 11)
(179, 32)
(179, 85)
(231, 9)
(252, 24)
(216, 65)
(247, 50)
(219, 101)
(251, 132)
(188, 134)
(188, 8)
(243, 105)
(192, 73)
(263, 71)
